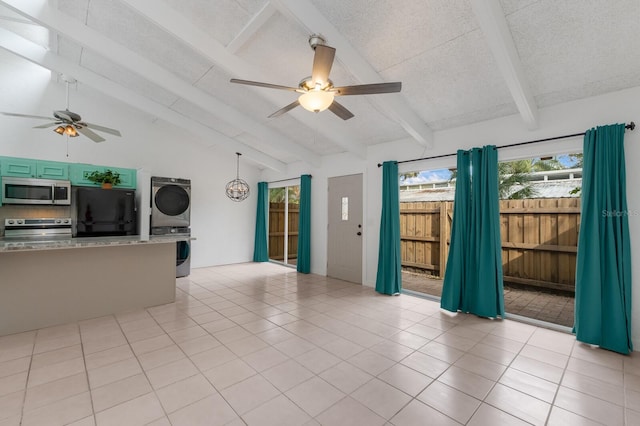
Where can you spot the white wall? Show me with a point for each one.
(224, 229)
(338, 165)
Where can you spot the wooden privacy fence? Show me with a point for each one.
(277, 231)
(539, 239)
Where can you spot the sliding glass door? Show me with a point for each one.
(284, 207)
(539, 227)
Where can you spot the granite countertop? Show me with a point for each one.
(13, 245)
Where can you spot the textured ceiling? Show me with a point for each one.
(441, 51)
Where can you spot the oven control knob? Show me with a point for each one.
(19, 221)
(10, 221)
(58, 221)
(66, 221)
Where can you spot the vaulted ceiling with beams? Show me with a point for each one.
(459, 61)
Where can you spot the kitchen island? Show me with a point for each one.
(56, 281)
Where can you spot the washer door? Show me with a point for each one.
(182, 252)
(172, 200)
(170, 205)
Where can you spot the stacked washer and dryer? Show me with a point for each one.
(171, 215)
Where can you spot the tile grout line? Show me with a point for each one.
(26, 385)
(498, 381)
(86, 373)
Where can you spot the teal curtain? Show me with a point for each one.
(453, 287)
(389, 277)
(603, 270)
(260, 248)
(304, 226)
(473, 279)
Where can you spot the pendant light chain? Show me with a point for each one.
(237, 189)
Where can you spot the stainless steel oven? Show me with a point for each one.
(37, 228)
(35, 191)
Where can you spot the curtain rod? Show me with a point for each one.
(283, 180)
(629, 126)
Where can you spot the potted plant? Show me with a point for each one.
(107, 179)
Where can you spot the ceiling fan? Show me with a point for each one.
(69, 123)
(317, 92)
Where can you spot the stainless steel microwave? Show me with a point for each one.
(35, 191)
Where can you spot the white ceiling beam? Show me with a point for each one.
(494, 25)
(251, 28)
(18, 20)
(393, 105)
(177, 25)
(209, 137)
(39, 11)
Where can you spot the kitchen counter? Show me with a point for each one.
(58, 281)
(13, 245)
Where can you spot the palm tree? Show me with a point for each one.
(407, 175)
(577, 159)
(277, 195)
(539, 165)
(513, 180)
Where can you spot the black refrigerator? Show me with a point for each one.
(98, 212)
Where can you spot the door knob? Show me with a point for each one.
(359, 233)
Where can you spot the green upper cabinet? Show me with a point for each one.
(127, 177)
(76, 173)
(52, 170)
(27, 168)
(17, 167)
(79, 173)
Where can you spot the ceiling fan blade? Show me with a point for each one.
(26, 116)
(260, 84)
(101, 128)
(369, 89)
(288, 108)
(91, 135)
(322, 62)
(340, 111)
(44, 126)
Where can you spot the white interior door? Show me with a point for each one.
(344, 257)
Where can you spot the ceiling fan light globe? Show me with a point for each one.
(316, 100)
(59, 130)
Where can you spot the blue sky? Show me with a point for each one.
(566, 160)
(429, 176)
(440, 175)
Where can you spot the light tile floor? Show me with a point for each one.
(259, 344)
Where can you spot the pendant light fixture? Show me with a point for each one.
(237, 189)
